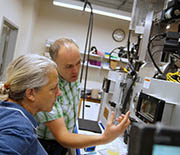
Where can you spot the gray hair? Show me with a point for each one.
(56, 46)
(27, 71)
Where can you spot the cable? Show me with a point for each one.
(110, 60)
(113, 51)
(87, 47)
(87, 37)
(174, 77)
(128, 56)
(128, 53)
(128, 94)
(123, 3)
(149, 51)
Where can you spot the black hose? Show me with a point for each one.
(128, 52)
(87, 39)
(128, 95)
(149, 51)
(87, 45)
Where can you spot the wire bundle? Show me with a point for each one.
(174, 77)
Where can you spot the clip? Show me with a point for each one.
(6, 86)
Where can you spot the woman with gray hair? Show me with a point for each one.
(31, 86)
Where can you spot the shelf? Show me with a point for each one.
(93, 55)
(92, 66)
(103, 60)
(106, 68)
(97, 67)
(125, 60)
(112, 58)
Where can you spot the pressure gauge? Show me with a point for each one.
(118, 35)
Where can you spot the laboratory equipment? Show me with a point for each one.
(163, 99)
(146, 139)
(115, 88)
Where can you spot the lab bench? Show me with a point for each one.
(116, 147)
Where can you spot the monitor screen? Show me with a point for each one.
(148, 108)
(165, 150)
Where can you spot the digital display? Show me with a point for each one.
(165, 150)
(148, 108)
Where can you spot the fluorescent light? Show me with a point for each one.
(96, 11)
(66, 5)
(109, 14)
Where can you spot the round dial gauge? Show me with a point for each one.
(118, 35)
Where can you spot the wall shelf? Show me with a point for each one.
(103, 60)
(92, 66)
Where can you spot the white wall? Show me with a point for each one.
(56, 22)
(29, 14)
(11, 10)
(21, 13)
(39, 20)
(36, 24)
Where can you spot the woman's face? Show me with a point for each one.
(45, 97)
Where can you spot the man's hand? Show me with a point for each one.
(112, 131)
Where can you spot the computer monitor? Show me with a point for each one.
(149, 109)
(149, 139)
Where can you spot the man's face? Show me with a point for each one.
(69, 62)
